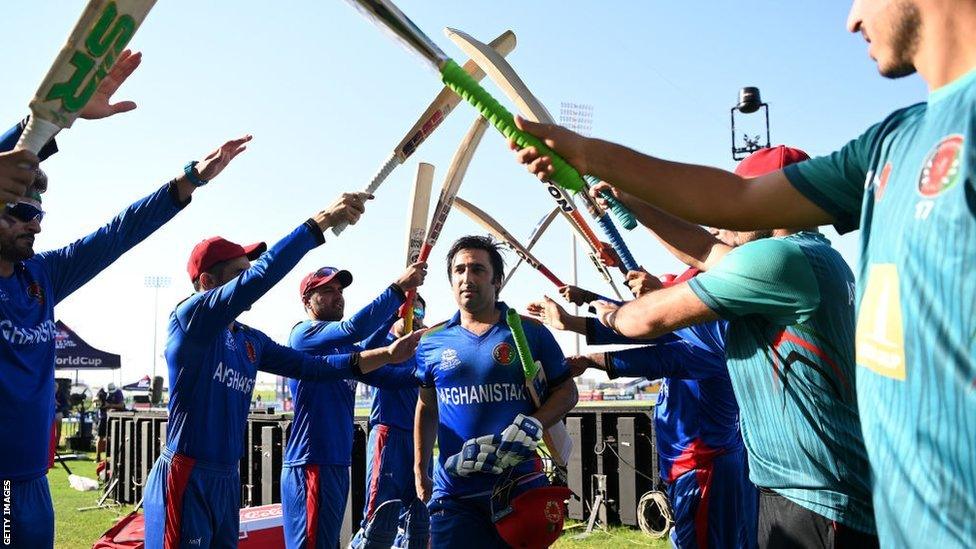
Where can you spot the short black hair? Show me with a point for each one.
(216, 270)
(477, 242)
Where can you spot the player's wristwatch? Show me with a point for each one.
(190, 170)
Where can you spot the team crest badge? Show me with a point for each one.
(942, 168)
(553, 512)
(34, 291)
(251, 355)
(503, 353)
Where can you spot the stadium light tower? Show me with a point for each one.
(156, 282)
(579, 118)
(749, 102)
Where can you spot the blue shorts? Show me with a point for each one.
(313, 502)
(466, 522)
(192, 504)
(30, 514)
(389, 469)
(715, 506)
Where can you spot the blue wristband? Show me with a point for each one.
(193, 175)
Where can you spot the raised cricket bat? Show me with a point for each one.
(436, 112)
(556, 438)
(99, 36)
(495, 228)
(502, 74)
(419, 206)
(534, 237)
(452, 182)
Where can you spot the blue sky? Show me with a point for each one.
(327, 96)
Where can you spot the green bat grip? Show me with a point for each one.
(521, 344)
(470, 90)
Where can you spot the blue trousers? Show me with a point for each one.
(389, 469)
(466, 522)
(715, 505)
(191, 504)
(28, 508)
(313, 501)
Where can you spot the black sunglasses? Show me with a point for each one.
(25, 212)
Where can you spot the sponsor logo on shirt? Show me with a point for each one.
(503, 353)
(485, 393)
(881, 182)
(449, 360)
(942, 167)
(15, 335)
(879, 339)
(233, 379)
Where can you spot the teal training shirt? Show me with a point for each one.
(790, 349)
(908, 183)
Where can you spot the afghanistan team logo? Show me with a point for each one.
(553, 512)
(942, 168)
(251, 355)
(503, 353)
(34, 291)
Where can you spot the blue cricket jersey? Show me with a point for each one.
(696, 418)
(480, 389)
(322, 430)
(213, 359)
(27, 330)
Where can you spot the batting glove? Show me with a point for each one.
(519, 441)
(477, 455)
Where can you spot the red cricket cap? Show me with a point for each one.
(323, 276)
(769, 160)
(216, 249)
(536, 519)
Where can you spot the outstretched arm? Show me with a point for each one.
(699, 194)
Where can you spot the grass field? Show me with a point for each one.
(76, 530)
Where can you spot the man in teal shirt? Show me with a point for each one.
(908, 184)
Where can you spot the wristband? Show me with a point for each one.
(190, 170)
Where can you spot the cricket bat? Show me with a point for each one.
(419, 206)
(502, 74)
(556, 438)
(495, 228)
(436, 112)
(99, 36)
(452, 182)
(534, 237)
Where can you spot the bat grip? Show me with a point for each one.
(623, 214)
(36, 134)
(514, 322)
(378, 180)
(551, 276)
(470, 90)
(619, 246)
(406, 311)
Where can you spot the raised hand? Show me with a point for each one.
(579, 364)
(549, 312)
(100, 105)
(570, 145)
(346, 209)
(404, 347)
(215, 162)
(641, 282)
(413, 277)
(17, 172)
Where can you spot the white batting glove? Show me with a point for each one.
(519, 441)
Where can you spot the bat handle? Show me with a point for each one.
(514, 321)
(406, 311)
(617, 242)
(36, 134)
(392, 162)
(470, 90)
(623, 214)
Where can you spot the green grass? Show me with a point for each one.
(72, 528)
(615, 538)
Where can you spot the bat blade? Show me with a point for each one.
(499, 232)
(419, 208)
(385, 15)
(556, 438)
(94, 44)
(452, 182)
(431, 119)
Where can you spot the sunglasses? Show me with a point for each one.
(22, 211)
(418, 312)
(326, 271)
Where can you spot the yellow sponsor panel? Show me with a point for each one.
(879, 341)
